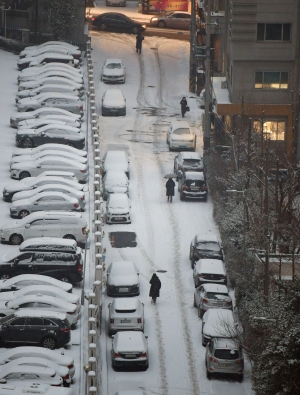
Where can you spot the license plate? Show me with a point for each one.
(118, 218)
(125, 321)
(123, 289)
(130, 356)
(182, 146)
(225, 365)
(194, 189)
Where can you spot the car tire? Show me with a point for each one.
(161, 24)
(135, 29)
(23, 213)
(48, 342)
(64, 279)
(208, 375)
(205, 199)
(102, 26)
(16, 239)
(194, 304)
(181, 196)
(70, 237)
(200, 312)
(5, 276)
(27, 143)
(24, 174)
(241, 378)
(192, 263)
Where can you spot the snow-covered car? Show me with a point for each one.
(122, 279)
(47, 88)
(180, 136)
(50, 81)
(53, 69)
(115, 160)
(212, 296)
(51, 244)
(49, 146)
(209, 271)
(175, 20)
(79, 195)
(38, 388)
(118, 209)
(47, 57)
(22, 116)
(76, 53)
(113, 71)
(25, 280)
(15, 374)
(129, 350)
(115, 181)
(31, 351)
(34, 168)
(56, 99)
(44, 201)
(34, 48)
(54, 152)
(113, 103)
(188, 161)
(217, 323)
(125, 314)
(31, 183)
(35, 123)
(68, 225)
(205, 246)
(40, 302)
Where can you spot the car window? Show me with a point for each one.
(26, 305)
(36, 321)
(49, 322)
(114, 66)
(226, 354)
(191, 161)
(182, 131)
(49, 101)
(37, 222)
(125, 311)
(185, 16)
(50, 221)
(215, 295)
(18, 321)
(61, 101)
(44, 305)
(209, 246)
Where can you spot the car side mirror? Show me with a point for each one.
(3, 381)
(16, 261)
(27, 226)
(43, 134)
(42, 104)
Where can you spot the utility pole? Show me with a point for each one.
(192, 79)
(207, 122)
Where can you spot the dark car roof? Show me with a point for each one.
(115, 13)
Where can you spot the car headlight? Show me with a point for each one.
(13, 209)
(154, 19)
(144, 26)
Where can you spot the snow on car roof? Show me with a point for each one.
(218, 288)
(206, 238)
(194, 175)
(191, 155)
(55, 354)
(125, 268)
(35, 277)
(51, 241)
(126, 303)
(216, 321)
(113, 97)
(113, 155)
(129, 341)
(24, 369)
(116, 199)
(44, 298)
(115, 174)
(210, 266)
(113, 60)
(39, 313)
(47, 214)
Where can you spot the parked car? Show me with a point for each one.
(41, 154)
(224, 356)
(209, 271)
(32, 351)
(192, 185)
(125, 314)
(205, 246)
(49, 146)
(39, 82)
(68, 225)
(51, 244)
(33, 48)
(69, 90)
(33, 168)
(23, 280)
(217, 323)
(22, 116)
(129, 350)
(51, 71)
(113, 70)
(116, 3)
(35, 123)
(180, 136)
(35, 388)
(211, 296)
(76, 53)
(113, 103)
(175, 20)
(47, 329)
(116, 22)
(118, 209)
(187, 161)
(55, 99)
(48, 57)
(115, 160)
(115, 181)
(122, 279)
(34, 71)
(13, 374)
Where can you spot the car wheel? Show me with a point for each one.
(241, 378)
(24, 174)
(70, 237)
(49, 343)
(181, 197)
(208, 375)
(16, 239)
(195, 304)
(205, 199)
(64, 279)
(193, 263)
(102, 26)
(5, 276)
(161, 24)
(200, 312)
(135, 29)
(23, 213)
(27, 143)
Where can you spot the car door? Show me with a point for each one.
(34, 228)
(17, 330)
(198, 293)
(52, 227)
(49, 102)
(23, 264)
(186, 21)
(58, 203)
(52, 136)
(123, 23)
(174, 21)
(37, 328)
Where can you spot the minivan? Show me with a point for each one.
(113, 102)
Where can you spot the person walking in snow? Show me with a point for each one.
(155, 287)
(170, 185)
(184, 105)
(139, 41)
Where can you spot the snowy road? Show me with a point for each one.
(156, 81)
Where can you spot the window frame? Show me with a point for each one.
(262, 32)
(262, 81)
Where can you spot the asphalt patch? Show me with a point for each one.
(122, 239)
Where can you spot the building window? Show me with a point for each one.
(273, 129)
(271, 80)
(273, 32)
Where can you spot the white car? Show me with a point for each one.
(180, 136)
(34, 168)
(113, 71)
(69, 90)
(28, 374)
(217, 323)
(68, 225)
(41, 154)
(122, 279)
(50, 81)
(209, 271)
(50, 146)
(115, 160)
(125, 314)
(118, 209)
(51, 48)
(35, 123)
(40, 302)
(115, 181)
(56, 99)
(79, 195)
(113, 103)
(25, 280)
(38, 388)
(29, 49)
(53, 68)
(22, 116)
(38, 352)
(47, 57)
(44, 201)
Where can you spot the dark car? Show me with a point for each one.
(205, 246)
(192, 185)
(116, 22)
(47, 329)
(63, 266)
(187, 161)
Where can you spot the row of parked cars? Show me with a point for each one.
(37, 307)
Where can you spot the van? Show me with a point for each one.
(113, 102)
(50, 244)
(35, 388)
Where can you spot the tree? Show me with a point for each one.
(62, 17)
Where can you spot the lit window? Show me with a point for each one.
(273, 130)
(271, 80)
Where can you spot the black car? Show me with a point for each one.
(47, 329)
(205, 246)
(192, 185)
(60, 265)
(116, 22)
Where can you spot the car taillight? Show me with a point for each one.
(83, 230)
(71, 366)
(82, 197)
(66, 377)
(66, 329)
(204, 189)
(71, 312)
(83, 171)
(139, 320)
(212, 359)
(79, 269)
(144, 355)
(80, 107)
(93, 18)
(229, 303)
(117, 355)
(238, 361)
(205, 300)
(76, 205)
(112, 321)
(185, 188)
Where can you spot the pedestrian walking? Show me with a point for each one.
(170, 185)
(155, 287)
(184, 106)
(139, 41)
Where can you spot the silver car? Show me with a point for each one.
(61, 100)
(125, 314)
(175, 20)
(211, 296)
(224, 356)
(122, 279)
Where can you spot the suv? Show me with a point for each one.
(205, 246)
(187, 161)
(47, 329)
(224, 356)
(217, 323)
(192, 185)
(212, 296)
(125, 314)
(209, 271)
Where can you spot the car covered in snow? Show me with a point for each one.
(51, 99)
(192, 185)
(35, 123)
(115, 160)
(118, 209)
(113, 103)
(47, 44)
(209, 271)
(218, 323)
(54, 152)
(25, 280)
(180, 136)
(125, 314)
(212, 296)
(205, 246)
(51, 70)
(115, 181)
(113, 70)
(49, 146)
(122, 279)
(35, 388)
(51, 48)
(69, 90)
(47, 57)
(42, 81)
(188, 161)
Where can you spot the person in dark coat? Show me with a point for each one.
(184, 105)
(139, 41)
(155, 287)
(170, 185)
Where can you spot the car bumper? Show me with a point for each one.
(182, 145)
(118, 219)
(130, 363)
(14, 174)
(115, 329)
(122, 291)
(113, 79)
(206, 307)
(202, 280)
(194, 195)
(228, 369)
(113, 111)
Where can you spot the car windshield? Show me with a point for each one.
(126, 311)
(208, 246)
(226, 354)
(182, 131)
(216, 296)
(113, 66)
(190, 162)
